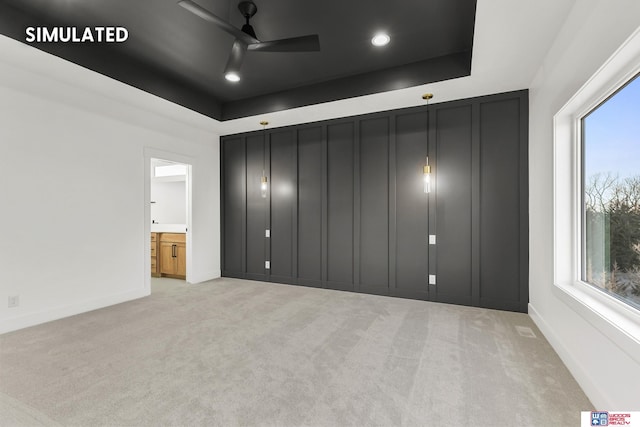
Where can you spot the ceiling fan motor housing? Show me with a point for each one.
(248, 9)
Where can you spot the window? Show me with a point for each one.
(170, 170)
(611, 195)
(596, 157)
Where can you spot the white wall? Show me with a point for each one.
(72, 186)
(609, 374)
(170, 202)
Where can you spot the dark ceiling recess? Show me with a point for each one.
(178, 56)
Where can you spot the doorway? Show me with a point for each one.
(168, 213)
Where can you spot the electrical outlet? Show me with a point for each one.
(267, 265)
(432, 279)
(14, 301)
(267, 233)
(432, 239)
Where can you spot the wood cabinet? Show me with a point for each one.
(154, 257)
(172, 255)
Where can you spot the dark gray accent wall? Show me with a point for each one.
(233, 211)
(499, 193)
(256, 210)
(374, 201)
(347, 211)
(310, 215)
(409, 206)
(341, 206)
(453, 203)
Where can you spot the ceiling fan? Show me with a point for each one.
(246, 38)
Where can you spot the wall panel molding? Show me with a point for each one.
(347, 211)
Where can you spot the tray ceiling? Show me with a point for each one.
(180, 57)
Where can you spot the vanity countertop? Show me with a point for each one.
(168, 228)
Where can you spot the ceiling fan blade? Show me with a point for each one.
(236, 57)
(203, 13)
(294, 44)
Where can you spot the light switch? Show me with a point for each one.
(267, 233)
(432, 279)
(432, 239)
(267, 265)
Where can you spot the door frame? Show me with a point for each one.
(153, 153)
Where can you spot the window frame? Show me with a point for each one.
(613, 317)
(583, 202)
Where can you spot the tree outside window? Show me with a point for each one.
(611, 197)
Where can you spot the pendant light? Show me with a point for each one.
(264, 183)
(426, 176)
(426, 169)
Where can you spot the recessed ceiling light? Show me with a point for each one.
(380, 39)
(232, 76)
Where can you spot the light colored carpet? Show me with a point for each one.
(240, 353)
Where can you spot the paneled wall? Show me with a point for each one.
(346, 208)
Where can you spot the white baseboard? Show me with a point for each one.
(44, 316)
(581, 375)
(205, 277)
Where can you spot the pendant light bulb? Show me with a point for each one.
(264, 182)
(264, 186)
(426, 177)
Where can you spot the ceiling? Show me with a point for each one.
(181, 57)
